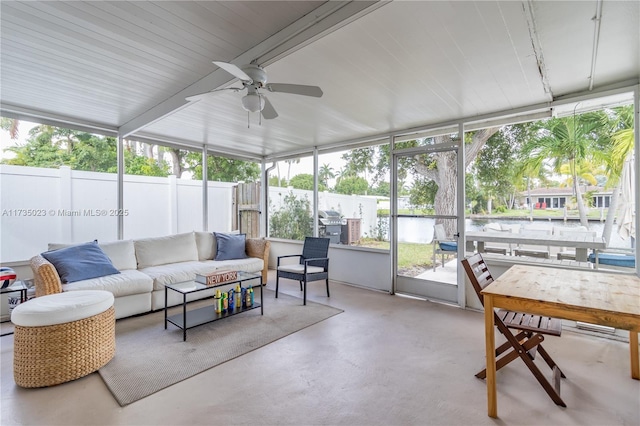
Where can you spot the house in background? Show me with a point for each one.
(557, 198)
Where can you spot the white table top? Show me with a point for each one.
(577, 241)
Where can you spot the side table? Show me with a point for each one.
(18, 286)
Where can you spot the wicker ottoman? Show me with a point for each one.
(62, 337)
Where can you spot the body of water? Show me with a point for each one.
(420, 230)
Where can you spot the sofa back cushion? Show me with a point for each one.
(163, 250)
(80, 262)
(121, 253)
(206, 243)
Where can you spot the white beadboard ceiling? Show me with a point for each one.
(383, 66)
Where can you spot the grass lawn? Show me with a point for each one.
(410, 255)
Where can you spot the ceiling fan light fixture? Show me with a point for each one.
(253, 102)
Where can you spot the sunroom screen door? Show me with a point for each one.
(424, 221)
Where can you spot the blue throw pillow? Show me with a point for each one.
(81, 262)
(230, 246)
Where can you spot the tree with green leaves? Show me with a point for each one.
(570, 140)
(325, 173)
(52, 147)
(222, 169)
(352, 185)
(11, 125)
(305, 181)
(293, 220)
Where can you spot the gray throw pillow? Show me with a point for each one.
(230, 246)
(81, 262)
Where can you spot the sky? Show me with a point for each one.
(6, 141)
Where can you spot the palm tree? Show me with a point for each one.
(587, 172)
(619, 146)
(11, 125)
(325, 173)
(529, 170)
(568, 140)
(289, 163)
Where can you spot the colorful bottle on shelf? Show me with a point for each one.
(238, 294)
(251, 291)
(225, 302)
(247, 298)
(217, 302)
(232, 301)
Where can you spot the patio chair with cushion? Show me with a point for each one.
(313, 265)
(529, 332)
(442, 245)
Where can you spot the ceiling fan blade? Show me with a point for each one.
(233, 70)
(213, 92)
(268, 112)
(296, 89)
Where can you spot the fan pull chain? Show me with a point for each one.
(248, 122)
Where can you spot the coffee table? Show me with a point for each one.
(193, 318)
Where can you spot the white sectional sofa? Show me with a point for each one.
(146, 265)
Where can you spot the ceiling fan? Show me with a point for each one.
(254, 78)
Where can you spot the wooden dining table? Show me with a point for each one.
(589, 296)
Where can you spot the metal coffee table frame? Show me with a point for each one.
(207, 314)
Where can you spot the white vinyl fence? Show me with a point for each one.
(39, 206)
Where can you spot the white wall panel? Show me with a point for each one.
(189, 203)
(147, 200)
(220, 204)
(25, 189)
(369, 268)
(94, 199)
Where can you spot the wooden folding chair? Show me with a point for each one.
(530, 331)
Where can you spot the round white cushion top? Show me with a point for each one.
(61, 308)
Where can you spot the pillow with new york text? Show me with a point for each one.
(230, 246)
(80, 262)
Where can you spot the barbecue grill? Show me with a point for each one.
(330, 225)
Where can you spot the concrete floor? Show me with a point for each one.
(387, 360)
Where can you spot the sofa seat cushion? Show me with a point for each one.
(123, 284)
(249, 264)
(172, 273)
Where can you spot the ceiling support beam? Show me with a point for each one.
(326, 18)
(596, 42)
(25, 114)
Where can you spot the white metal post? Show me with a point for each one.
(460, 201)
(205, 190)
(316, 229)
(393, 214)
(120, 191)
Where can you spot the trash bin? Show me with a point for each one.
(350, 232)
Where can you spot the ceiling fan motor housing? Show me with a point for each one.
(257, 74)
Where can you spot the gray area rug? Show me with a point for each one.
(149, 358)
